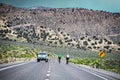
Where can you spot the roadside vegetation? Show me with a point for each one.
(13, 53)
(18, 51)
(106, 64)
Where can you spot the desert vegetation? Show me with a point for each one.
(13, 53)
(68, 27)
(106, 64)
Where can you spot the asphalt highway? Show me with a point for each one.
(51, 70)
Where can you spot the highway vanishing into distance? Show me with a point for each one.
(51, 70)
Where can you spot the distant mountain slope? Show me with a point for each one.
(63, 27)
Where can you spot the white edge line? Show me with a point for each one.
(95, 74)
(13, 66)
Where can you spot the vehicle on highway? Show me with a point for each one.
(42, 57)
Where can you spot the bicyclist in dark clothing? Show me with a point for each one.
(67, 58)
(59, 58)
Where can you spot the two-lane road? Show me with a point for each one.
(49, 71)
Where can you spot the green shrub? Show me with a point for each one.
(85, 43)
(109, 42)
(101, 41)
(89, 47)
(60, 41)
(119, 49)
(89, 40)
(82, 38)
(94, 47)
(107, 47)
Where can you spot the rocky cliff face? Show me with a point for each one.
(79, 28)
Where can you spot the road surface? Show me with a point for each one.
(49, 71)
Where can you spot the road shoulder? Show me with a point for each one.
(100, 71)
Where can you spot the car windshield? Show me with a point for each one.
(42, 54)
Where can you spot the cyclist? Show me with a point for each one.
(59, 58)
(67, 58)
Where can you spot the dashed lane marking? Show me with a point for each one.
(47, 74)
(48, 71)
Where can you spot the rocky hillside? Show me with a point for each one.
(69, 27)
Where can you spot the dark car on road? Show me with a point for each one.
(42, 57)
